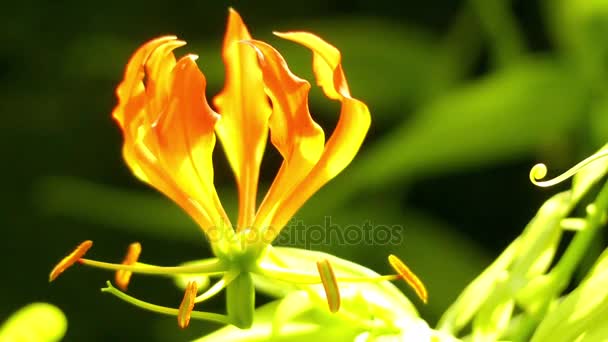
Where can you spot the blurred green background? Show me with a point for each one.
(465, 97)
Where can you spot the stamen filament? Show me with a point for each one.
(295, 277)
(212, 267)
(208, 316)
(539, 171)
(217, 287)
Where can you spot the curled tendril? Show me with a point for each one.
(539, 171)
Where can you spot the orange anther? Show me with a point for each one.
(187, 305)
(410, 278)
(69, 260)
(122, 277)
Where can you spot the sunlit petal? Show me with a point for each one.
(348, 134)
(293, 132)
(165, 121)
(244, 108)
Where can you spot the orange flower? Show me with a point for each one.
(169, 135)
(169, 128)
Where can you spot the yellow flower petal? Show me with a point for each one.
(168, 129)
(292, 130)
(347, 137)
(244, 108)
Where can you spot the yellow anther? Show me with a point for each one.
(187, 305)
(69, 260)
(330, 284)
(123, 277)
(410, 278)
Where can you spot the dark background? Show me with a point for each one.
(465, 97)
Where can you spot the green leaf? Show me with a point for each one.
(493, 318)
(460, 313)
(584, 309)
(37, 322)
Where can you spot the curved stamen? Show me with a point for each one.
(208, 316)
(211, 267)
(539, 171)
(217, 287)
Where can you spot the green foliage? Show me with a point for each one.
(522, 276)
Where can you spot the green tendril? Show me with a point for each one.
(539, 171)
(206, 316)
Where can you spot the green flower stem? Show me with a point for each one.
(209, 316)
(211, 267)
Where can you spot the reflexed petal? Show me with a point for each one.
(347, 137)
(292, 130)
(244, 108)
(168, 129)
